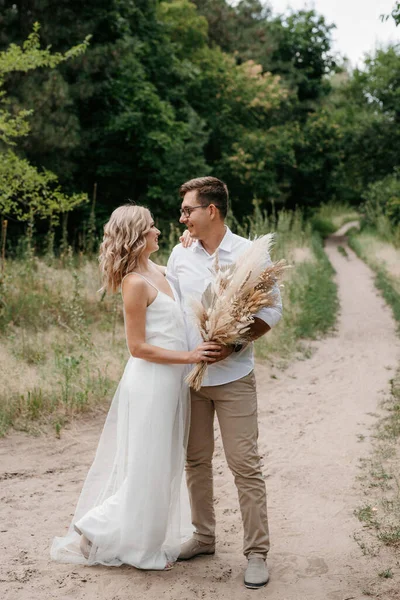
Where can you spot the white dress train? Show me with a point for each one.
(134, 506)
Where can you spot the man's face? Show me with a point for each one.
(198, 220)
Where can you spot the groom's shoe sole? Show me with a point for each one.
(255, 586)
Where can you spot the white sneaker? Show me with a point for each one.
(256, 575)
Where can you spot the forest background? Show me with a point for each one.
(167, 90)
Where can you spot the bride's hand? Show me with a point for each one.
(186, 239)
(206, 352)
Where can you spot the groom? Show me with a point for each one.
(228, 389)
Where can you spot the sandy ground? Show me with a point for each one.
(310, 416)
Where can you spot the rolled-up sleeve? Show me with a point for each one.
(273, 314)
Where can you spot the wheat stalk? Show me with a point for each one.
(229, 303)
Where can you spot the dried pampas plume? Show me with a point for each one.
(237, 292)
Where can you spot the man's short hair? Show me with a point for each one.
(210, 190)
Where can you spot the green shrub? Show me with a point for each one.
(382, 206)
(322, 226)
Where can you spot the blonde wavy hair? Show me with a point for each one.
(123, 243)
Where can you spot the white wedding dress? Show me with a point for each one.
(134, 507)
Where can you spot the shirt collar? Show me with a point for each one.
(225, 245)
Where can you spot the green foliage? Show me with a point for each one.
(366, 106)
(25, 192)
(395, 14)
(323, 227)
(296, 46)
(382, 199)
(329, 217)
(304, 54)
(157, 99)
(337, 213)
(25, 58)
(174, 89)
(30, 56)
(318, 148)
(187, 30)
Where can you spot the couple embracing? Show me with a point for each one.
(134, 506)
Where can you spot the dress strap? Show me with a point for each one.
(143, 277)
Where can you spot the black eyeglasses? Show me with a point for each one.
(187, 210)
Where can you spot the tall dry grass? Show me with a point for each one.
(62, 344)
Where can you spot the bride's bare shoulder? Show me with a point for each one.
(133, 286)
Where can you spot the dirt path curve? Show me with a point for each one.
(310, 417)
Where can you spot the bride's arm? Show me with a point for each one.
(135, 294)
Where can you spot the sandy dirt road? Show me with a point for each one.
(310, 414)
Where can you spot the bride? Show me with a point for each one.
(129, 510)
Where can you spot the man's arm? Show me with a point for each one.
(257, 329)
(272, 315)
(264, 320)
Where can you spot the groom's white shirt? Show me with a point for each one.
(188, 270)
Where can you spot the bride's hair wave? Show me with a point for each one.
(123, 243)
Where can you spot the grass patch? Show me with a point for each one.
(365, 514)
(310, 305)
(343, 251)
(369, 247)
(329, 217)
(55, 331)
(386, 285)
(318, 301)
(381, 516)
(391, 536)
(386, 574)
(323, 226)
(35, 296)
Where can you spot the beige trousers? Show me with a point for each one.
(236, 406)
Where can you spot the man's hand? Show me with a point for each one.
(257, 329)
(223, 353)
